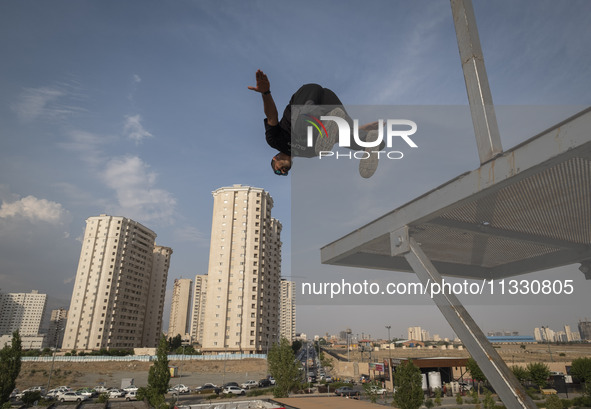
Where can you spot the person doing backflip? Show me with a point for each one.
(310, 98)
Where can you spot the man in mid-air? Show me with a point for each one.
(312, 98)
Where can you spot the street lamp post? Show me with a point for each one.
(548, 342)
(388, 327)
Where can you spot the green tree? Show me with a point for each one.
(553, 402)
(408, 382)
(283, 367)
(296, 346)
(10, 362)
(475, 372)
(538, 373)
(31, 397)
(158, 378)
(174, 343)
(488, 401)
(581, 368)
(520, 373)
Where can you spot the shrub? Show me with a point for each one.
(429, 403)
(30, 397)
(212, 396)
(553, 402)
(459, 399)
(102, 398)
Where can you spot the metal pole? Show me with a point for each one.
(389, 342)
(494, 368)
(482, 109)
(548, 342)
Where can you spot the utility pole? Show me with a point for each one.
(388, 327)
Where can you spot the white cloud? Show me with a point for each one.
(34, 209)
(136, 78)
(189, 234)
(134, 129)
(49, 102)
(134, 184)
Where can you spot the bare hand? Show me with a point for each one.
(263, 84)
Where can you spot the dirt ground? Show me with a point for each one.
(91, 374)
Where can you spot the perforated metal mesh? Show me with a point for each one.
(539, 215)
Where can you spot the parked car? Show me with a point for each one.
(180, 388)
(208, 388)
(376, 390)
(234, 389)
(264, 383)
(89, 393)
(230, 384)
(132, 395)
(328, 379)
(131, 388)
(346, 391)
(72, 397)
(116, 393)
(271, 379)
(250, 384)
(100, 389)
(14, 393)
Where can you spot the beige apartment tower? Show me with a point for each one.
(22, 312)
(180, 309)
(118, 295)
(242, 308)
(287, 311)
(200, 299)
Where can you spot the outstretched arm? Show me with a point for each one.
(264, 88)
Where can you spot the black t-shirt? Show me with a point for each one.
(280, 138)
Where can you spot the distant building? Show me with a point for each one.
(287, 311)
(180, 310)
(199, 301)
(22, 312)
(118, 295)
(242, 308)
(512, 339)
(57, 326)
(585, 330)
(415, 333)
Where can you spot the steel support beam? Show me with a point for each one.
(492, 365)
(482, 109)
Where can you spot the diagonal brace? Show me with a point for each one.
(490, 362)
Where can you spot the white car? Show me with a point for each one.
(116, 393)
(131, 388)
(377, 390)
(131, 396)
(180, 388)
(53, 394)
(233, 389)
(100, 389)
(250, 384)
(72, 397)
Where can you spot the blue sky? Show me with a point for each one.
(141, 109)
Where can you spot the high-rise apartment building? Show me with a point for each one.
(22, 312)
(57, 326)
(118, 295)
(585, 329)
(287, 311)
(242, 309)
(157, 294)
(199, 301)
(415, 333)
(180, 309)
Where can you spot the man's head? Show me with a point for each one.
(281, 164)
